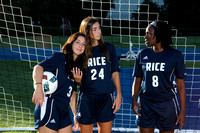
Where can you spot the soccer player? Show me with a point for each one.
(101, 78)
(155, 69)
(52, 111)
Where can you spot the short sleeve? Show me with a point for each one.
(52, 63)
(137, 71)
(180, 67)
(113, 58)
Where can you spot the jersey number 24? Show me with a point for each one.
(95, 74)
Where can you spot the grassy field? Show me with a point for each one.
(16, 81)
(15, 94)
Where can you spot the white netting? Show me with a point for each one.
(13, 113)
(23, 45)
(128, 22)
(22, 36)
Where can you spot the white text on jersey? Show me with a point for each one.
(155, 66)
(97, 61)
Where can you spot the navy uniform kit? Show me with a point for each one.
(54, 112)
(96, 93)
(157, 94)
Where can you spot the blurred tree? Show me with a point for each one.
(143, 9)
(49, 13)
(183, 14)
(144, 13)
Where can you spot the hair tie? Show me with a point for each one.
(153, 24)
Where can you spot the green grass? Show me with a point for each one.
(16, 78)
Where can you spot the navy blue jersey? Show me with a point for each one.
(157, 69)
(65, 84)
(98, 76)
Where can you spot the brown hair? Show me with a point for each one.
(86, 28)
(81, 61)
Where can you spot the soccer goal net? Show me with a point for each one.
(23, 45)
(127, 23)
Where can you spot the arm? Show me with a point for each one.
(77, 74)
(135, 91)
(117, 102)
(182, 97)
(38, 95)
(72, 103)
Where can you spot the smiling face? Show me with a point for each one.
(78, 46)
(150, 38)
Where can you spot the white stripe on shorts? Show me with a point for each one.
(43, 108)
(80, 97)
(50, 112)
(176, 108)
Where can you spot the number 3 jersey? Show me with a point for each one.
(66, 86)
(98, 75)
(157, 70)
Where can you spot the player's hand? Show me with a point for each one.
(76, 125)
(117, 103)
(77, 74)
(38, 95)
(135, 105)
(181, 119)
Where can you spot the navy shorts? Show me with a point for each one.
(162, 115)
(94, 108)
(52, 115)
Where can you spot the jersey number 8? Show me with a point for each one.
(155, 81)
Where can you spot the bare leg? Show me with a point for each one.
(86, 128)
(45, 129)
(146, 130)
(104, 127)
(67, 129)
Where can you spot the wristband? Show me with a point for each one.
(38, 83)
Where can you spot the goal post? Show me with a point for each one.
(127, 25)
(23, 45)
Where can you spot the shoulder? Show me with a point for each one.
(145, 50)
(175, 52)
(59, 56)
(53, 61)
(109, 46)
